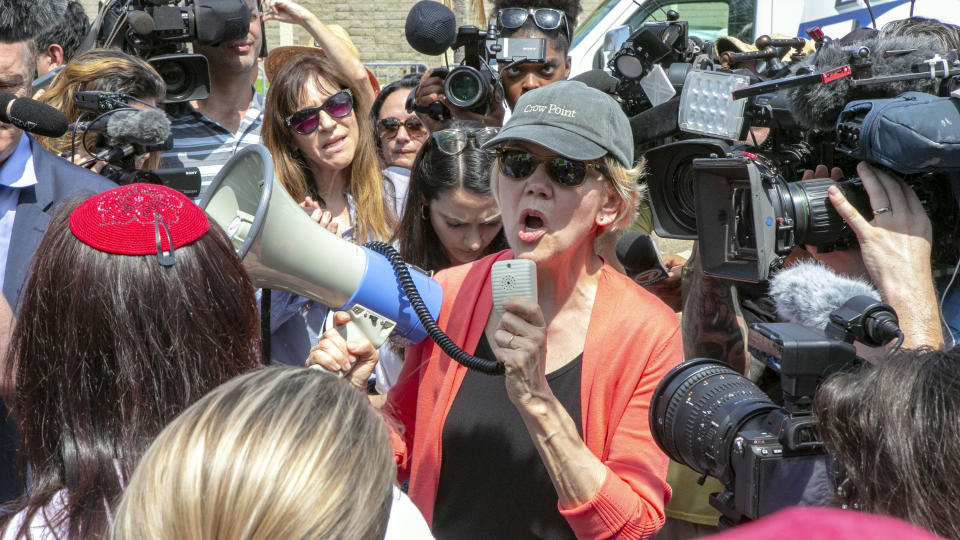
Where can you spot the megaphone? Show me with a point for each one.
(283, 248)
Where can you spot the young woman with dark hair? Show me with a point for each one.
(451, 217)
(136, 306)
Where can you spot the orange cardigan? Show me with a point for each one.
(633, 339)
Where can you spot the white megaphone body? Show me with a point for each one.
(283, 248)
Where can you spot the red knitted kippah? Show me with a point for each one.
(123, 220)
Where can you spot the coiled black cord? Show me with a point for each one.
(490, 367)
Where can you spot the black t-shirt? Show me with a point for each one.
(493, 483)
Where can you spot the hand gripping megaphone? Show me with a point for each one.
(283, 248)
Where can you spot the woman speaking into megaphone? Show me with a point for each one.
(560, 447)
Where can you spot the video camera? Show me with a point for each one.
(120, 134)
(653, 62)
(474, 84)
(768, 457)
(157, 30)
(740, 196)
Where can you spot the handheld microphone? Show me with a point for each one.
(808, 292)
(430, 28)
(22, 20)
(819, 105)
(640, 258)
(32, 116)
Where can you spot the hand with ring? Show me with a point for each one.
(521, 340)
(896, 250)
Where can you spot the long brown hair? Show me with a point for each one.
(107, 70)
(364, 179)
(433, 173)
(107, 349)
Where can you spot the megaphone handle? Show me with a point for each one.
(368, 325)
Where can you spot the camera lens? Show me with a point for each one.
(465, 87)
(698, 409)
(817, 221)
(175, 77)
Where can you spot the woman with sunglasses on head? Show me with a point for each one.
(450, 216)
(560, 447)
(326, 159)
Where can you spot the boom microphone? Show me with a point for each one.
(640, 258)
(431, 28)
(32, 116)
(22, 20)
(139, 126)
(818, 106)
(807, 293)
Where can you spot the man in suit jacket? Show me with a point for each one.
(32, 182)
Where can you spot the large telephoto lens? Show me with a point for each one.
(465, 87)
(697, 411)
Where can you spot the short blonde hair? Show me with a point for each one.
(279, 453)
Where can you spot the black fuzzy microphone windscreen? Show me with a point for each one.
(21, 20)
(818, 106)
(431, 28)
(150, 126)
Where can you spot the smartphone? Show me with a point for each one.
(515, 277)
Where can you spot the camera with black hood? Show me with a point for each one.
(474, 83)
(884, 100)
(158, 30)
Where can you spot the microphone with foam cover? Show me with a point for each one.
(818, 106)
(141, 23)
(431, 28)
(139, 126)
(32, 116)
(807, 293)
(640, 258)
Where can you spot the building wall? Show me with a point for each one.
(376, 27)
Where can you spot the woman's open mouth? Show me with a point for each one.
(532, 226)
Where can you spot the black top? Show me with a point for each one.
(493, 483)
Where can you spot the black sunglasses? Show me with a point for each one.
(519, 164)
(390, 127)
(454, 141)
(306, 121)
(547, 19)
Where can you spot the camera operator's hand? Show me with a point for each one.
(354, 359)
(896, 249)
(85, 161)
(848, 261)
(431, 90)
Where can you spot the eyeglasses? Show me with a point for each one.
(306, 121)
(548, 19)
(519, 164)
(390, 127)
(454, 141)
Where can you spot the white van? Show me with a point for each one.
(600, 35)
